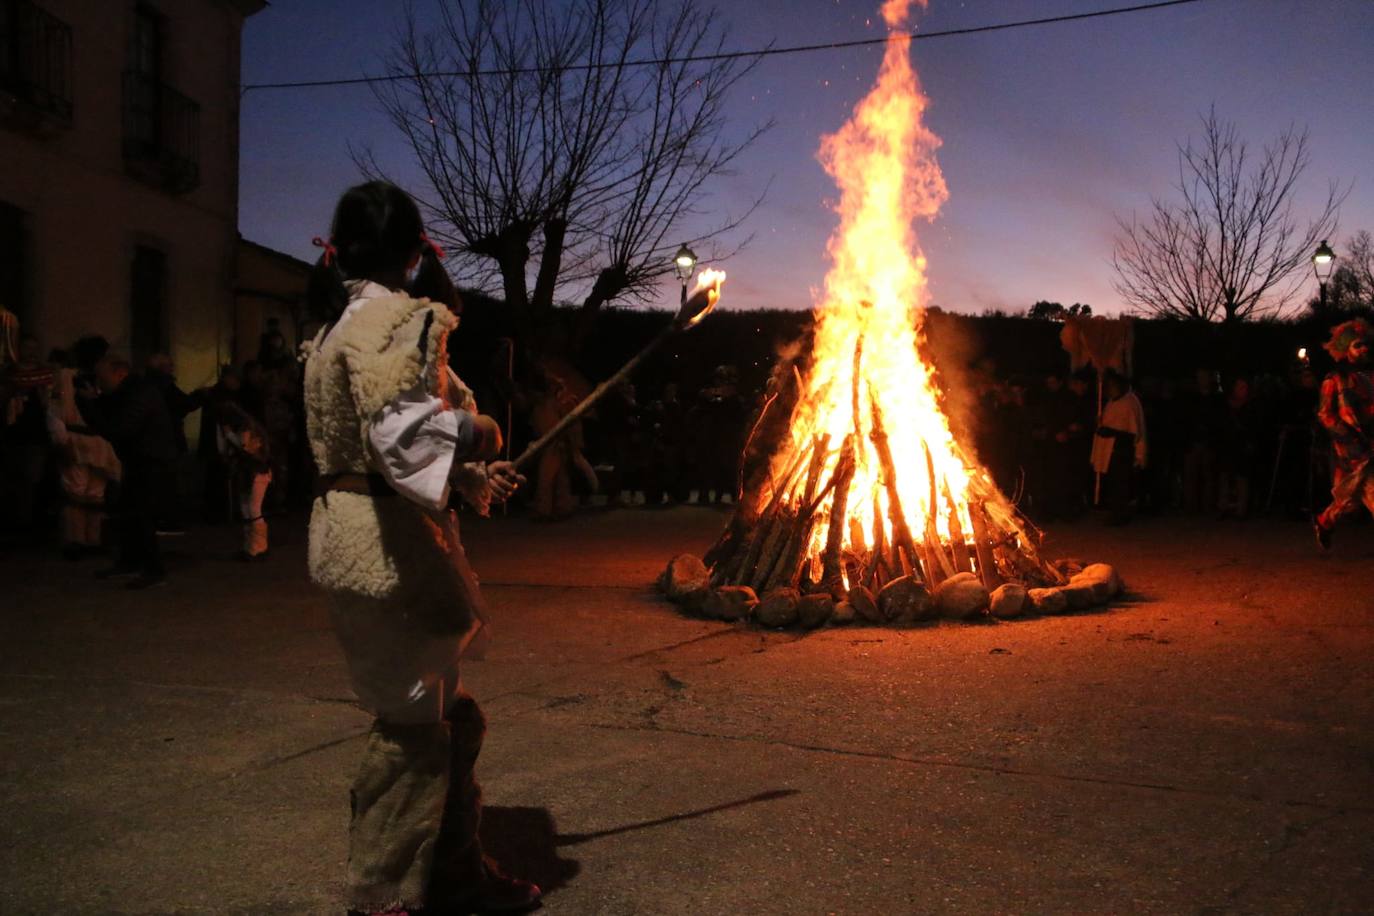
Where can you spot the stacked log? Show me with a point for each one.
(795, 552)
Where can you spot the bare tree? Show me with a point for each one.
(1351, 286)
(565, 167)
(1231, 248)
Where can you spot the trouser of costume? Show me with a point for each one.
(553, 488)
(252, 489)
(1199, 478)
(415, 803)
(1118, 486)
(1234, 489)
(143, 491)
(1352, 485)
(83, 507)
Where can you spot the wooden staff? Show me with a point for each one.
(692, 312)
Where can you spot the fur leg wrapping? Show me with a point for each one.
(398, 804)
(458, 854)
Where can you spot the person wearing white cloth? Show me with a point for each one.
(394, 434)
(87, 465)
(1119, 448)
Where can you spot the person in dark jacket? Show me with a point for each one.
(224, 396)
(132, 414)
(161, 371)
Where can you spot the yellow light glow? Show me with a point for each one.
(868, 366)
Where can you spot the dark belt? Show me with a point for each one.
(364, 484)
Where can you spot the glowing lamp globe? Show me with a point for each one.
(1323, 260)
(684, 262)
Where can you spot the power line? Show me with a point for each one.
(733, 55)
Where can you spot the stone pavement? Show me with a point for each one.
(1204, 748)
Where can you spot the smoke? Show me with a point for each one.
(953, 347)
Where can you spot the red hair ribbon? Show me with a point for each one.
(433, 245)
(329, 250)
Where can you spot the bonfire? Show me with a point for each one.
(869, 504)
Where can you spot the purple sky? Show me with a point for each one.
(1049, 132)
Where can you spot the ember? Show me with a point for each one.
(868, 487)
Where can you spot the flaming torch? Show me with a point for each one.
(694, 308)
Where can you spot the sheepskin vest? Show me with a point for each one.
(386, 347)
(384, 556)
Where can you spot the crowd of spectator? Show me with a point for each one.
(87, 436)
(671, 447)
(100, 445)
(1229, 447)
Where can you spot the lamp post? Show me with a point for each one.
(684, 262)
(1323, 260)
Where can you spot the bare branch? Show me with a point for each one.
(552, 178)
(1232, 247)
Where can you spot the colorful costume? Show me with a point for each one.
(242, 442)
(86, 463)
(382, 409)
(1346, 410)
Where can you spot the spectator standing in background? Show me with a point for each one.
(1119, 447)
(161, 372)
(1237, 446)
(1052, 417)
(717, 424)
(1204, 414)
(279, 422)
(1078, 440)
(273, 354)
(133, 416)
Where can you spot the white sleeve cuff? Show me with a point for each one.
(414, 442)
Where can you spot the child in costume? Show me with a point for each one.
(394, 433)
(242, 442)
(1347, 411)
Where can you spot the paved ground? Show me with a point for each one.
(1205, 748)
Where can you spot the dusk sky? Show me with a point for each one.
(1048, 132)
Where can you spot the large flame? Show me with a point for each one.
(869, 388)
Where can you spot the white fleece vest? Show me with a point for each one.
(389, 550)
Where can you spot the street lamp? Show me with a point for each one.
(1323, 260)
(684, 262)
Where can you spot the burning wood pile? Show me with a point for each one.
(867, 505)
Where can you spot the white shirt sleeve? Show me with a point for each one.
(415, 439)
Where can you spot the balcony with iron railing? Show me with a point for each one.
(35, 67)
(161, 134)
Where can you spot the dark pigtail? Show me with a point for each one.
(325, 294)
(432, 282)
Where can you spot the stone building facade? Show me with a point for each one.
(119, 125)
